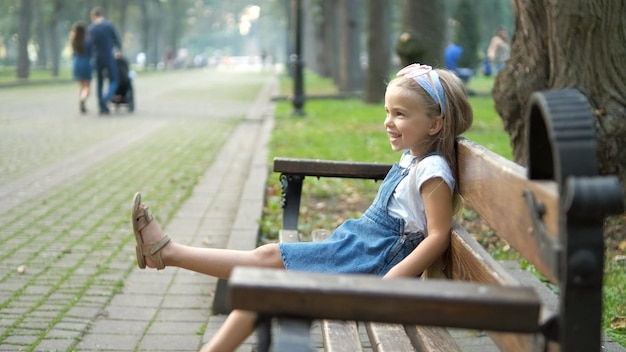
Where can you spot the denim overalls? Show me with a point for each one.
(371, 244)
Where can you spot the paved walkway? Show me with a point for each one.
(68, 280)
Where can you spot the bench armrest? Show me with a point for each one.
(405, 301)
(331, 168)
(293, 171)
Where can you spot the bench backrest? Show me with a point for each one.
(493, 187)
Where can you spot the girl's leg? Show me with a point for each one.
(237, 327)
(84, 90)
(83, 93)
(218, 263)
(210, 261)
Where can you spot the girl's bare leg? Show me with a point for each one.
(83, 93)
(237, 327)
(84, 90)
(218, 263)
(215, 262)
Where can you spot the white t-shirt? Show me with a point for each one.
(408, 204)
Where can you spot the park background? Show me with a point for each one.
(172, 35)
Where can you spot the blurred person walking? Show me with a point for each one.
(498, 50)
(81, 62)
(104, 42)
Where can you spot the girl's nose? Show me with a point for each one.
(388, 121)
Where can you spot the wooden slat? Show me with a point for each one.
(340, 336)
(388, 337)
(493, 186)
(471, 262)
(432, 339)
(403, 301)
(331, 168)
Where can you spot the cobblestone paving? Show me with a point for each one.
(68, 279)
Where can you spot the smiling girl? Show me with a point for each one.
(403, 232)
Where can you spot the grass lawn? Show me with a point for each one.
(348, 129)
(9, 74)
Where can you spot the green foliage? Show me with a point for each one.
(614, 317)
(8, 74)
(313, 85)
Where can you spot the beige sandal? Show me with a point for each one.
(141, 218)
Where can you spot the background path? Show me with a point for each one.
(68, 278)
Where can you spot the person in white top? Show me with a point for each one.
(498, 50)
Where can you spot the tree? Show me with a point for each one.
(55, 42)
(378, 40)
(424, 27)
(42, 47)
(26, 17)
(328, 59)
(350, 73)
(467, 33)
(560, 44)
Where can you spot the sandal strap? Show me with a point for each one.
(152, 250)
(143, 218)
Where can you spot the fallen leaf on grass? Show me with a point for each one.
(21, 269)
(618, 323)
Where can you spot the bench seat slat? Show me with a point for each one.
(406, 301)
(340, 336)
(473, 263)
(388, 337)
(432, 339)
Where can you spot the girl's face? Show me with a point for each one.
(406, 123)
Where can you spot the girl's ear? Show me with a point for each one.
(436, 125)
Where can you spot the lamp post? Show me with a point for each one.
(297, 63)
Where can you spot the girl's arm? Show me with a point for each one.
(438, 207)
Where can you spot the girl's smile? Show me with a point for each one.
(406, 122)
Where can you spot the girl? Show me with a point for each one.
(81, 61)
(401, 234)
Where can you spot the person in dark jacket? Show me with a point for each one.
(104, 42)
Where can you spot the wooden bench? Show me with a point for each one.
(551, 213)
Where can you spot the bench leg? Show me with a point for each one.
(220, 300)
(293, 335)
(291, 191)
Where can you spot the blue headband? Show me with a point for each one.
(428, 79)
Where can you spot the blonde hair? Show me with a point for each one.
(457, 113)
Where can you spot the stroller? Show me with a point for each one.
(124, 95)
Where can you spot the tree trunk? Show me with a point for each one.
(425, 22)
(123, 8)
(55, 42)
(159, 33)
(562, 44)
(146, 31)
(42, 41)
(26, 17)
(328, 28)
(311, 40)
(289, 42)
(350, 73)
(378, 34)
